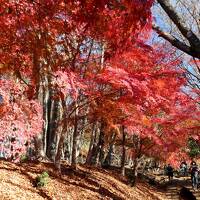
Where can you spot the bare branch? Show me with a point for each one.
(186, 32)
(176, 43)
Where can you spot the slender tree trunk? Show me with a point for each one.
(71, 144)
(45, 111)
(68, 146)
(51, 129)
(59, 150)
(134, 172)
(74, 142)
(38, 139)
(137, 149)
(60, 144)
(100, 146)
(92, 143)
(38, 78)
(108, 158)
(54, 128)
(95, 151)
(123, 157)
(39, 151)
(80, 137)
(62, 129)
(94, 155)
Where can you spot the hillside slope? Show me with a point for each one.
(17, 182)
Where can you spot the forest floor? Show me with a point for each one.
(87, 183)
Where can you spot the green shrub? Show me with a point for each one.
(23, 158)
(42, 179)
(194, 148)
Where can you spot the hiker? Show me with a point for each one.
(194, 175)
(193, 163)
(165, 170)
(170, 172)
(183, 168)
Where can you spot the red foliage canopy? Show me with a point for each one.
(94, 48)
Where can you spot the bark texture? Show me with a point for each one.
(192, 47)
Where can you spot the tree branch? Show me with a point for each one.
(175, 42)
(186, 32)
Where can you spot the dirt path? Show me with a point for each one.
(184, 187)
(179, 186)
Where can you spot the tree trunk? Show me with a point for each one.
(108, 159)
(62, 129)
(80, 139)
(68, 146)
(123, 157)
(95, 151)
(74, 142)
(38, 139)
(54, 129)
(45, 111)
(59, 151)
(100, 146)
(134, 173)
(137, 149)
(51, 137)
(92, 144)
(39, 151)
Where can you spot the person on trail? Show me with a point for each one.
(194, 175)
(183, 168)
(193, 163)
(170, 172)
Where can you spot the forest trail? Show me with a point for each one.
(87, 183)
(174, 188)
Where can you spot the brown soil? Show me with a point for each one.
(87, 183)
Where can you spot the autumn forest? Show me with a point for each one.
(108, 85)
